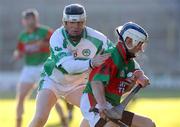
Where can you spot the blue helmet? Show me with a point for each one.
(133, 31)
(74, 13)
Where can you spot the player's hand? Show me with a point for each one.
(102, 113)
(113, 113)
(130, 82)
(99, 59)
(142, 79)
(16, 56)
(103, 110)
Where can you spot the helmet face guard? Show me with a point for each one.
(74, 13)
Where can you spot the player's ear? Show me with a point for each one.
(128, 42)
(64, 23)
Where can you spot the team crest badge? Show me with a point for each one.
(86, 52)
(122, 73)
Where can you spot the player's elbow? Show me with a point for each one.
(70, 69)
(75, 66)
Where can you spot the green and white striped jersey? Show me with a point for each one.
(63, 49)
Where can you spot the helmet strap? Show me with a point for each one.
(129, 55)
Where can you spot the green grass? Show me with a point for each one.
(7, 114)
(147, 93)
(162, 105)
(159, 93)
(165, 112)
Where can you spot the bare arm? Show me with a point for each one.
(99, 93)
(19, 52)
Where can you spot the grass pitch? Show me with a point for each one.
(163, 106)
(165, 112)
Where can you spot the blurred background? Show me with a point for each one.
(161, 62)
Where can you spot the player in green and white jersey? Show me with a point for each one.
(75, 49)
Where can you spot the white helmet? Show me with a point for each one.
(134, 31)
(74, 13)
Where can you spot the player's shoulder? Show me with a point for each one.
(96, 34)
(22, 35)
(44, 28)
(57, 36)
(58, 33)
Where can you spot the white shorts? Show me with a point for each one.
(92, 117)
(58, 89)
(30, 74)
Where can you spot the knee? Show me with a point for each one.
(84, 123)
(149, 123)
(39, 120)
